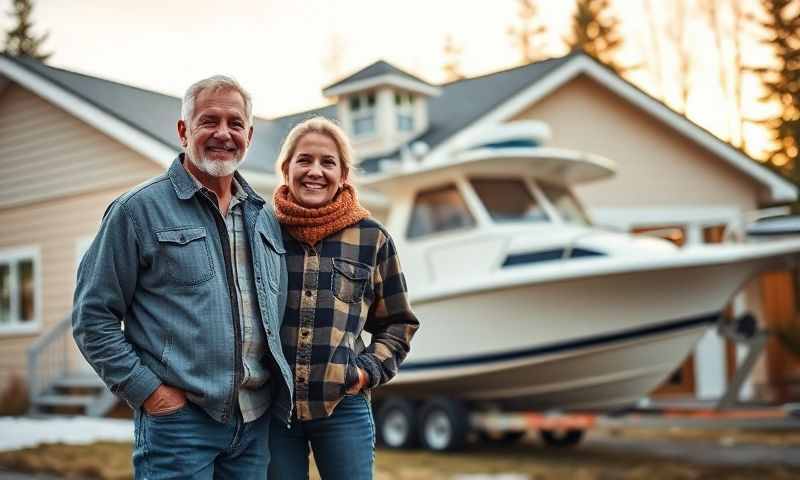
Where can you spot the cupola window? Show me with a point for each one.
(362, 113)
(404, 106)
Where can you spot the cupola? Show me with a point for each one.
(381, 107)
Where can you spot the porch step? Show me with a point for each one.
(56, 400)
(79, 381)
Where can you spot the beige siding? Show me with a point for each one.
(45, 153)
(656, 165)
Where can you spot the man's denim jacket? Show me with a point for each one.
(161, 264)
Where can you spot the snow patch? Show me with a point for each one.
(22, 432)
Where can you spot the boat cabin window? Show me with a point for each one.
(439, 210)
(565, 202)
(508, 200)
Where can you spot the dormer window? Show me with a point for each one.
(404, 106)
(362, 114)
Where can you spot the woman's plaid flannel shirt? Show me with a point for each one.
(348, 282)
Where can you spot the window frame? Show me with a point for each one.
(12, 257)
(364, 111)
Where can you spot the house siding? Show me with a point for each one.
(46, 153)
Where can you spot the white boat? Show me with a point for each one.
(523, 303)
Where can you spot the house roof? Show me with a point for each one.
(377, 69)
(155, 114)
(462, 105)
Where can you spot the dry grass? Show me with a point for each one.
(729, 437)
(112, 461)
(103, 460)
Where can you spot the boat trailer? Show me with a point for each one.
(444, 424)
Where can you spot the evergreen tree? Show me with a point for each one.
(20, 40)
(595, 31)
(782, 83)
(452, 60)
(529, 35)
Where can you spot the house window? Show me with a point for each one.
(404, 106)
(19, 298)
(362, 113)
(439, 210)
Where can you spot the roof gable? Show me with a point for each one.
(376, 74)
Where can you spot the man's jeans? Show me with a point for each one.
(343, 444)
(188, 444)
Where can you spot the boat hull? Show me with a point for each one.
(582, 343)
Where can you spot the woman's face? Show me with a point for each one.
(315, 170)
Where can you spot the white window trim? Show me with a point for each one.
(35, 325)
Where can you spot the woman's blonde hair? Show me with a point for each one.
(323, 126)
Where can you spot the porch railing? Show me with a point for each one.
(48, 357)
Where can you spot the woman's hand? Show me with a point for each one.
(362, 382)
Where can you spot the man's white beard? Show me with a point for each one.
(217, 168)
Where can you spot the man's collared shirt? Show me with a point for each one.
(254, 395)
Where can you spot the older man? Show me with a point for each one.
(192, 263)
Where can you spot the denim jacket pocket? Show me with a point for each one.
(273, 256)
(186, 254)
(349, 280)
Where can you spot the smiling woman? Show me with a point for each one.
(344, 278)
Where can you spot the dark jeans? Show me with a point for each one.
(343, 444)
(188, 444)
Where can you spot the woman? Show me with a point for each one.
(344, 277)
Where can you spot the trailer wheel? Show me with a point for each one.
(561, 438)
(443, 424)
(396, 427)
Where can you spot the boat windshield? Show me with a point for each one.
(508, 200)
(565, 202)
(439, 210)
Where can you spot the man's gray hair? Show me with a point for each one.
(215, 83)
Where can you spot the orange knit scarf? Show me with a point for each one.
(310, 225)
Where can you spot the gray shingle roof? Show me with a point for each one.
(460, 103)
(377, 69)
(156, 114)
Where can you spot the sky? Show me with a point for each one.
(278, 48)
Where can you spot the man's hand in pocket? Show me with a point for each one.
(164, 400)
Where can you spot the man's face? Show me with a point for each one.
(217, 136)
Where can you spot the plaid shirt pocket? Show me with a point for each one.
(349, 279)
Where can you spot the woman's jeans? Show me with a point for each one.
(188, 444)
(343, 444)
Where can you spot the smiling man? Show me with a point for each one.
(193, 264)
